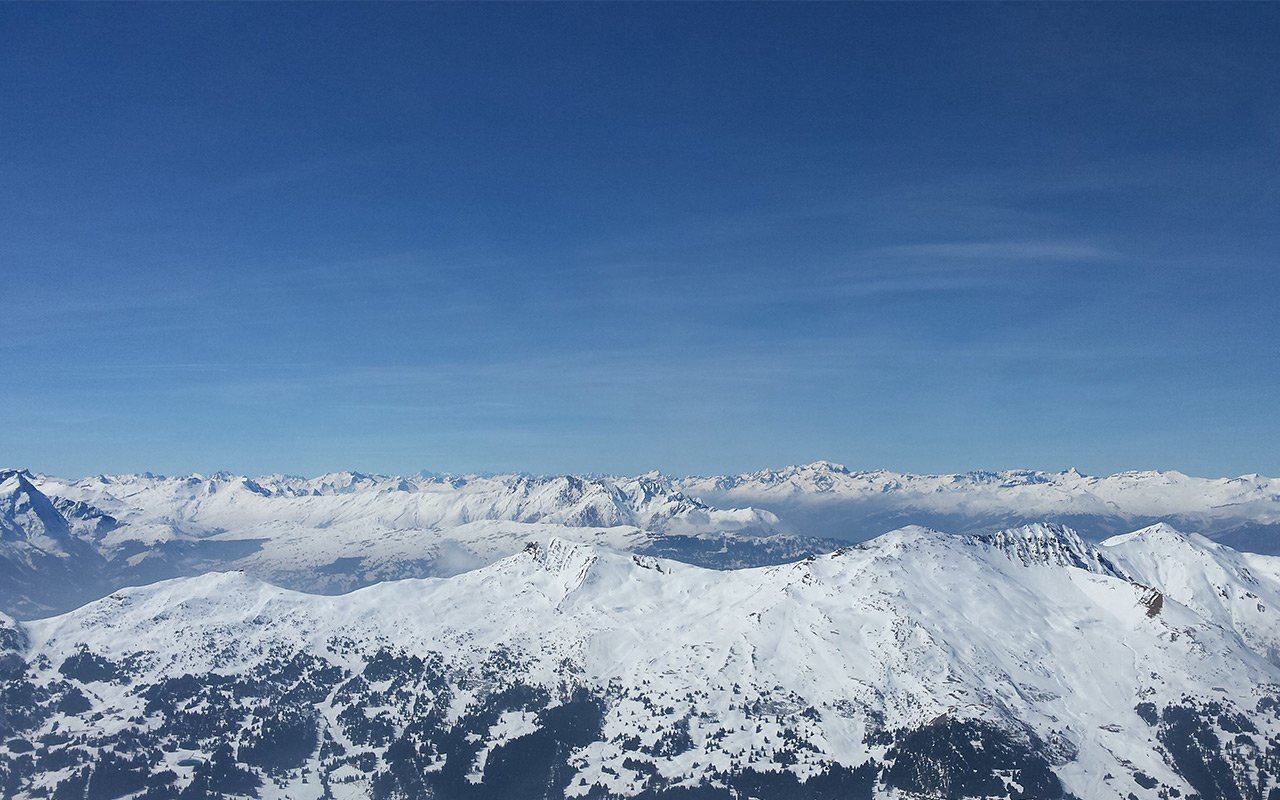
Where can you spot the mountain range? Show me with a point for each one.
(1023, 663)
(65, 542)
(826, 499)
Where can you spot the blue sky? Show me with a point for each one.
(699, 238)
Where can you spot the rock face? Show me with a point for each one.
(1028, 664)
(1051, 544)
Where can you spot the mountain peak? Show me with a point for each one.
(26, 514)
(567, 562)
(1050, 544)
(827, 466)
(16, 480)
(1159, 532)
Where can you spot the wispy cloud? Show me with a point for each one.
(1045, 250)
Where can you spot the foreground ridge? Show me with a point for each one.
(1027, 663)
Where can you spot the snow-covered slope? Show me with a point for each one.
(1239, 590)
(30, 518)
(919, 664)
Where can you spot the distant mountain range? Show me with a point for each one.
(64, 542)
(67, 542)
(1024, 663)
(825, 499)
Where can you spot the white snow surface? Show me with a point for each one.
(912, 625)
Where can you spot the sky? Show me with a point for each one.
(608, 238)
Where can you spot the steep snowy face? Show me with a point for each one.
(1238, 590)
(27, 516)
(44, 566)
(1045, 543)
(918, 664)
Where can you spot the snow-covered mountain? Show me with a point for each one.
(346, 530)
(228, 502)
(1238, 589)
(341, 531)
(45, 562)
(826, 499)
(819, 499)
(1027, 664)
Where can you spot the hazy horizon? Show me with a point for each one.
(447, 473)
